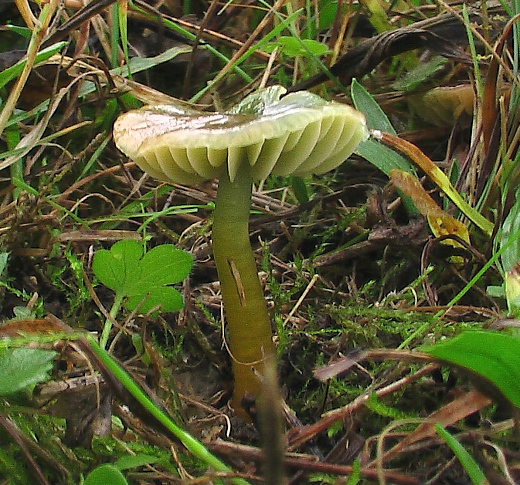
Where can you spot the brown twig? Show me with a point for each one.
(308, 463)
(307, 433)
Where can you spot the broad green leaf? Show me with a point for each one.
(105, 475)
(140, 276)
(382, 157)
(167, 297)
(491, 355)
(327, 14)
(508, 236)
(21, 368)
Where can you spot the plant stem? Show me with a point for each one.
(192, 444)
(107, 327)
(249, 330)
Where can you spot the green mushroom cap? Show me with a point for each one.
(300, 134)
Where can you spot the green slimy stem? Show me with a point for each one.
(249, 331)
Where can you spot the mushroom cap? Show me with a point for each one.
(300, 134)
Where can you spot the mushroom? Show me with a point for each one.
(299, 134)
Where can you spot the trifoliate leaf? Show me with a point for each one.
(143, 278)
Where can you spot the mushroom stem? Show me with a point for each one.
(249, 331)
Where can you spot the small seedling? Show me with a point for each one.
(141, 280)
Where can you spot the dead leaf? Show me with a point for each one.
(441, 223)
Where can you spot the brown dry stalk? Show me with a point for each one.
(307, 433)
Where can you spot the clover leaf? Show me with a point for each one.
(143, 279)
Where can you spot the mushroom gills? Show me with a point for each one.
(292, 158)
(350, 141)
(180, 158)
(268, 157)
(163, 168)
(217, 156)
(200, 164)
(332, 129)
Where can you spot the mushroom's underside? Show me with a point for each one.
(301, 134)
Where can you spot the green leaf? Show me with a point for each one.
(508, 236)
(166, 265)
(21, 368)
(133, 461)
(327, 14)
(105, 474)
(300, 189)
(168, 298)
(364, 102)
(418, 75)
(11, 72)
(24, 32)
(117, 267)
(382, 157)
(137, 275)
(491, 355)
(293, 47)
(472, 468)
